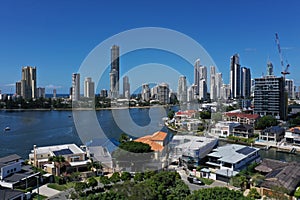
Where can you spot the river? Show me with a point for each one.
(45, 128)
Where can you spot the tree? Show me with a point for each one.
(266, 121)
(124, 138)
(135, 147)
(205, 115)
(138, 177)
(92, 182)
(253, 194)
(125, 176)
(171, 114)
(115, 177)
(104, 180)
(80, 186)
(58, 162)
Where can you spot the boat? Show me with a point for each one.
(7, 128)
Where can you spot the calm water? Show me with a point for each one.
(45, 128)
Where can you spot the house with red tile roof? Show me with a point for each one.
(242, 118)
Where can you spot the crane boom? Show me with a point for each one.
(284, 68)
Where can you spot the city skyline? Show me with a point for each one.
(43, 36)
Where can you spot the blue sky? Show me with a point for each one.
(56, 36)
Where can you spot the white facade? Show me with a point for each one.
(182, 89)
(146, 92)
(213, 83)
(89, 88)
(219, 83)
(224, 128)
(75, 86)
(202, 89)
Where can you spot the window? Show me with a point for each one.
(8, 171)
(15, 169)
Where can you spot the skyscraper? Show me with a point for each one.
(235, 76)
(18, 88)
(213, 85)
(89, 88)
(245, 83)
(219, 83)
(40, 92)
(75, 87)
(126, 87)
(182, 89)
(114, 72)
(270, 97)
(103, 93)
(192, 93)
(146, 92)
(202, 90)
(54, 93)
(163, 93)
(28, 82)
(289, 85)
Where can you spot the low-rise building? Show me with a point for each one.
(229, 159)
(279, 175)
(224, 128)
(9, 194)
(14, 174)
(272, 134)
(75, 158)
(242, 118)
(293, 135)
(191, 148)
(243, 130)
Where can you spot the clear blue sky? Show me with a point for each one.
(56, 36)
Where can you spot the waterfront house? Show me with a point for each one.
(14, 174)
(75, 158)
(229, 159)
(280, 175)
(224, 128)
(272, 134)
(242, 118)
(293, 135)
(189, 148)
(243, 130)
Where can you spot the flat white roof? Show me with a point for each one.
(232, 153)
(49, 149)
(78, 163)
(192, 142)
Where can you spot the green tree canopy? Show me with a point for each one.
(266, 121)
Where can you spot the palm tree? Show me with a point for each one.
(94, 166)
(58, 161)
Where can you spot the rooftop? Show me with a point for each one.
(191, 142)
(153, 139)
(60, 149)
(242, 115)
(9, 158)
(232, 153)
(9, 193)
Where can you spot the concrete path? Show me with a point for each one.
(45, 191)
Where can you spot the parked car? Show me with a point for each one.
(194, 180)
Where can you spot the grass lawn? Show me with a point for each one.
(206, 181)
(41, 197)
(60, 187)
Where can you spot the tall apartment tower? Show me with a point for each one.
(182, 89)
(146, 92)
(289, 85)
(163, 93)
(89, 88)
(28, 82)
(219, 83)
(213, 83)
(75, 86)
(245, 82)
(203, 90)
(126, 87)
(40, 92)
(18, 88)
(235, 77)
(115, 71)
(192, 93)
(270, 97)
(54, 93)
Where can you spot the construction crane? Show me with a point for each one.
(284, 68)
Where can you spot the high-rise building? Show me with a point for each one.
(200, 72)
(163, 93)
(75, 87)
(126, 87)
(54, 93)
(202, 90)
(289, 85)
(182, 89)
(219, 83)
(245, 82)
(18, 88)
(213, 84)
(269, 69)
(103, 93)
(114, 72)
(192, 93)
(145, 92)
(40, 92)
(235, 77)
(28, 82)
(270, 97)
(89, 88)
(225, 92)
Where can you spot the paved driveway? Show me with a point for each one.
(45, 191)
